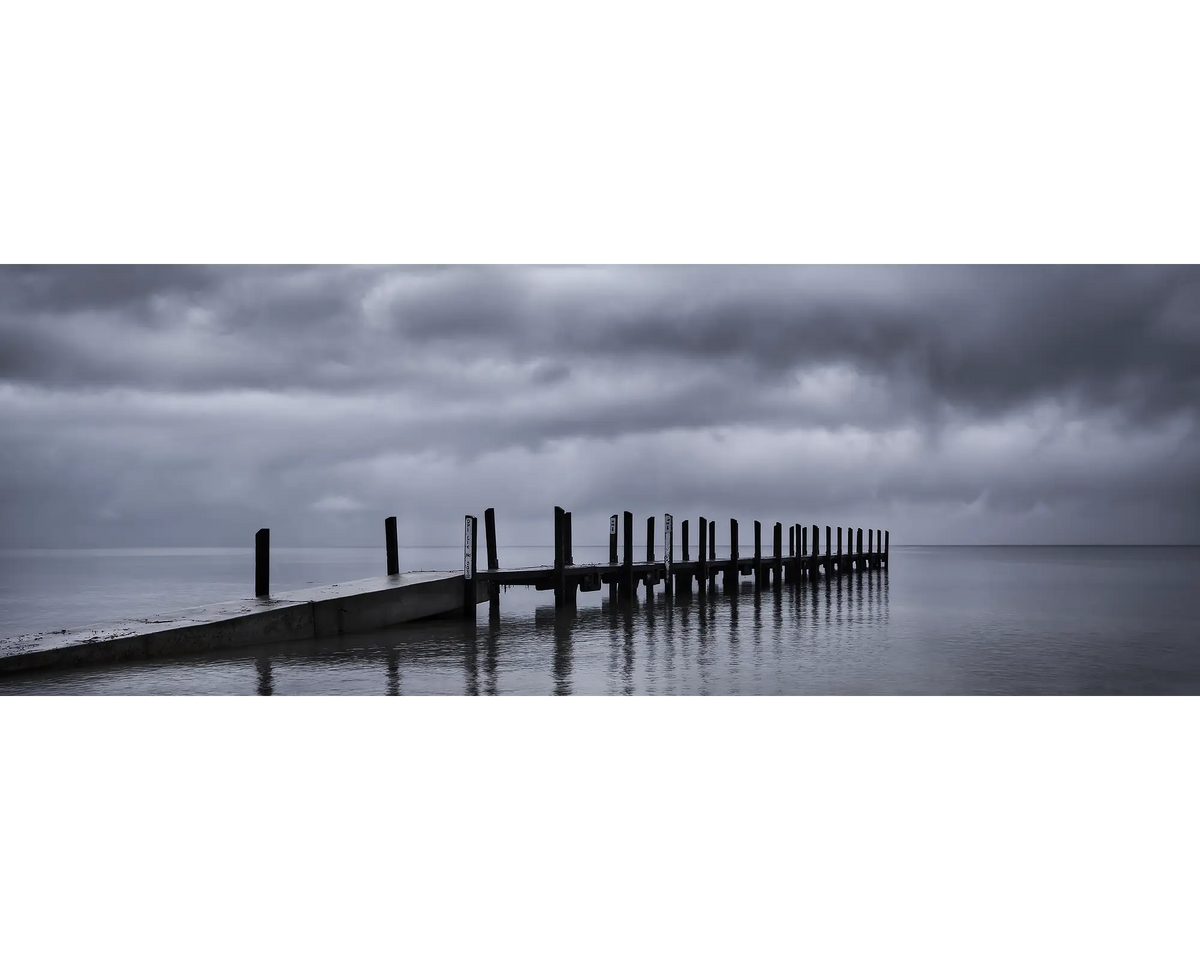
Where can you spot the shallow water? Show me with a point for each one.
(942, 620)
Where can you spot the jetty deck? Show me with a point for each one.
(352, 607)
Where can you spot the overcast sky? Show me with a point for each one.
(190, 406)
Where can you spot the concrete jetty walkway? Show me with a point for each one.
(352, 607)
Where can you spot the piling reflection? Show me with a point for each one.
(393, 672)
(266, 685)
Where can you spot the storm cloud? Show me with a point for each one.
(191, 405)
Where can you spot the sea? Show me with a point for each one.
(1007, 620)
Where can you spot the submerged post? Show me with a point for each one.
(262, 562)
(392, 545)
(489, 528)
(470, 556)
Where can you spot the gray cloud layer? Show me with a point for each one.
(164, 405)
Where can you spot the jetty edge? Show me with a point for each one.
(356, 606)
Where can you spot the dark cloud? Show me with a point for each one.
(1026, 403)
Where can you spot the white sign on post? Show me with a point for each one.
(612, 525)
(468, 566)
(668, 542)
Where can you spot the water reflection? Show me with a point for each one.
(266, 686)
(393, 672)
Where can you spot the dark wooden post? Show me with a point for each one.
(887, 536)
(804, 541)
(870, 542)
(489, 529)
(570, 584)
(612, 556)
(731, 572)
(712, 552)
(668, 553)
(777, 572)
(702, 557)
(262, 562)
(651, 576)
(828, 549)
(560, 555)
(470, 559)
(757, 555)
(790, 575)
(858, 564)
(392, 545)
(683, 581)
(628, 586)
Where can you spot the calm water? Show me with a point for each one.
(943, 620)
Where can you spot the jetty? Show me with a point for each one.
(678, 574)
(372, 604)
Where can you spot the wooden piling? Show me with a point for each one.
(887, 536)
(792, 540)
(731, 571)
(858, 562)
(757, 555)
(392, 546)
(712, 539)
(870, 543)
(628, 586)
(489, 529)
(560, 555)
(777, 565)
(470, 560)
(668, 553)
(702, 557)
(649, 539)
(571, 585)
(683, 581)
(262, 562)
(612, 554)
